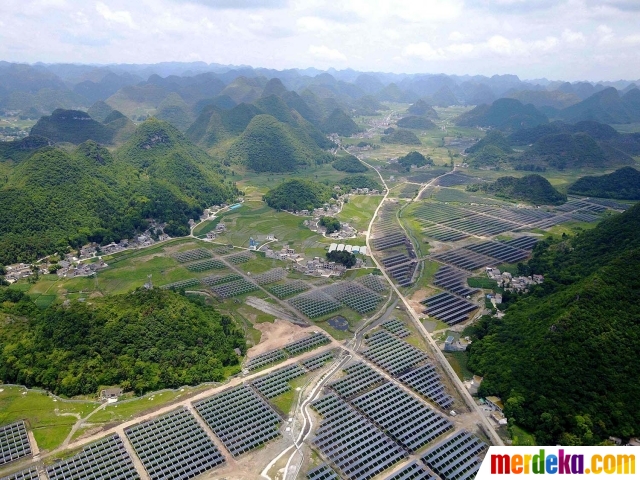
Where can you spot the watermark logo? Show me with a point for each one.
(552, 461)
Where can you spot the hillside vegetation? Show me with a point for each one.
(144, 341)
(623, 184)
(417, 123)
(55, 198)
(349, 164)
(503, 114)
(297, 194)
(532, 188)
(563, 358)
(402, 137)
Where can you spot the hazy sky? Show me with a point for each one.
(557, 39)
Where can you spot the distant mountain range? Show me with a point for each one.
(140, 90)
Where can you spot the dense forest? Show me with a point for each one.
(349, 164)
(345, 258)
(359, 181)
(54, 198)
(531, 188)
(297, 194)
(413, 159)
(402, 137)
(417, 123)
(332, 224)
(564, 357)
(145, 340)
(623, 184)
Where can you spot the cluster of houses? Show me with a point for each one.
(513, 284)
(284, 254)
(346, 230)
(17, 271)
(219, 230)
(355, 249)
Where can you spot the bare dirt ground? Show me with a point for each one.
(417, 297)
(277, 334)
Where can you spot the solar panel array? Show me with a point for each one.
(392, 354)
(456, 179)
(277, 382)
(354, 295)
(273, 275)
(524, 243)
(266, 358)
(358, 448)
(317, 361)
(28, 474)
(454, 280)
(213, 280)
(323, 472)
(426, 381)
(106, 459)
(192, 255)
(241, 257)
(444, 234)
(307, 343)
(376, 283)
(465, 259)
(396, 327)
(191, 282)
(204, 265)
(408, 421)
(456, 458)
(14, 442)
(240, 419)
(360, 377)
(414, 471)
(448, 308)
(315, 303)
(235, 288)
(174, 446)
(283, 290)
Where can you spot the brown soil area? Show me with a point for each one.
(276, 334)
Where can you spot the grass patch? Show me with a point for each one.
(359, 210)
(42, 413)
(458, 361)
(521, 437)
(286, 401)
(482, 282)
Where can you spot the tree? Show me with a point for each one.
(345, 258)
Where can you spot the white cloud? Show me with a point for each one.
(456, 36)
(119, 16)
(422, 50)
(322, 52)
(633, 39)
(312, 24)
(605, 34)
(573, 38)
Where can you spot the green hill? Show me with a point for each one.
(494, 138)
(491, 150)
(72, 126)
(606, 106)
(18, 150)
(340, 123)
(208, 129)
(623, 184)
(417, 123)
(268, 145)
(422, 108)
(174, 110)
(99, 111)
(402, 137)
(503, 114)
(563, 357)
(296, 194)
(530, 188)
(414, 159)
(349, 164)
(368, 105)
(129, 340)
(359, 181)
(564, 150)
(543, 98)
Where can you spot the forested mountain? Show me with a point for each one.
(53, 198)
(340, 123)
(623, 184)
(349, 164)
(268, 145)
(19, 150)
(606, 106)
(565, 150)
(416, 122)
(297, 194)
(545, 98)
(143, 341)
(490, 150)
(74, 126)
(422, 108)
(503, 114)
(563, 358)
(530, 188)
(401, 136)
